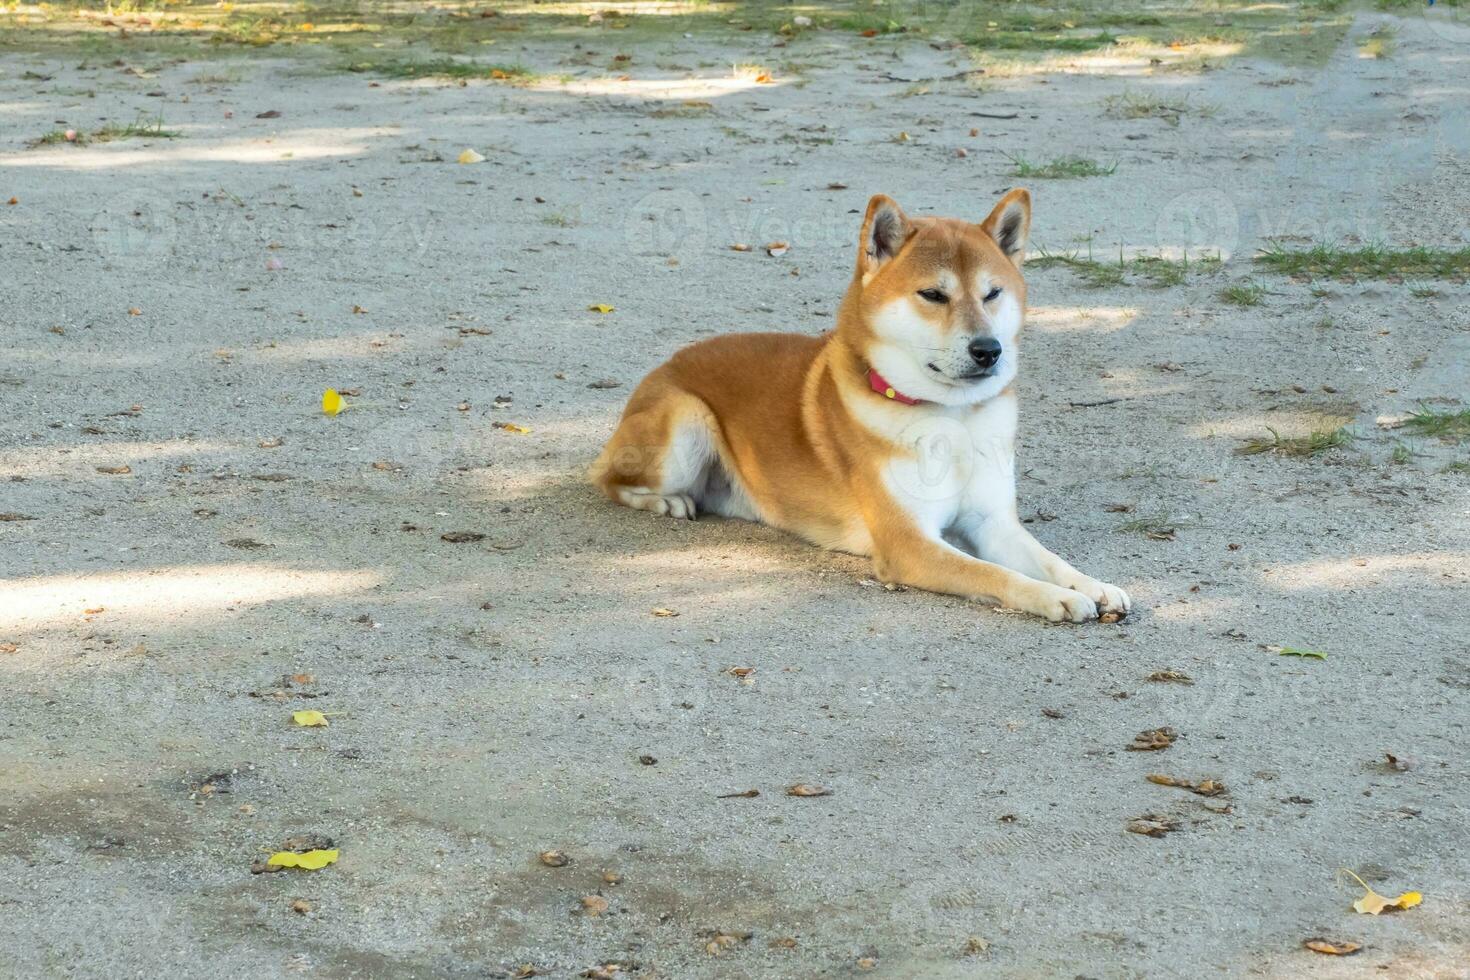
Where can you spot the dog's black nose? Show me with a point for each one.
(985, 351)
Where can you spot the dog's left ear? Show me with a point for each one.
(1010, 224)
(885, 229)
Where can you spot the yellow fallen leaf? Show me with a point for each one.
(309, 719)
(1329, 947)
(310, 860)
(519, 430)
(663, 613)
(1373, 903)
(332, 402)
(600, 308)
(470, 156)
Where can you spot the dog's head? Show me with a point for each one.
(939, 301)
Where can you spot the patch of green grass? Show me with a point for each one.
(1157, 270)
(438, 68)
(863, 21)
(1135, 105)
(1160, 526)
(138, 129)
(1008, 40)
(1243, 294)
(1369, 262)
(1060, 168)
(57, 136)
(559, 219)
(1314, 444)
(1458, 466)
(1448, 426)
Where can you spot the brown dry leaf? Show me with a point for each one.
(866, 963)
(1170, 677)
(526, 971)
(746, 794)
(777, 249)
(740, 672)
(807, 789)
(1332, 947)
(783, 942)
(1111, 616)
(974, 946)
(115, 470)
(1153, 740)
(612, 877)
(594, 904)
(301, 906)
(273, 443)
(461, 537)
(740, 247)
(554, 859)
(836, 185)
(603, 971)
(9, 647)
(358, 309)
(1205, 787)
(12, 516)
(663, 613)
(1152, 825)
(303, 679)
(94, 611)
(134, 311)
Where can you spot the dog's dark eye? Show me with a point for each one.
(934, 295)
(992, 294)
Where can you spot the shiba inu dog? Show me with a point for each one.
(886, 437)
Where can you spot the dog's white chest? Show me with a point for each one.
(962, 462)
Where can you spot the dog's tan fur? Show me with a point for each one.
(788, 430)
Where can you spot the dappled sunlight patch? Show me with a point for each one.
(662, 89)
(1322, 417)
(1411, 569)
(292, 146)
(164, 595)
(1080, 319)
(1197, 610)
(84, 461)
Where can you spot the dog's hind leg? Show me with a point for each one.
(659, 458)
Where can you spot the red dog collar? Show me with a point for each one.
(882, 387)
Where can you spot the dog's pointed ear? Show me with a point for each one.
(885, 229)
(1010, 224)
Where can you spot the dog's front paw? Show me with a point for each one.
(1056, 604)
(1109, 598)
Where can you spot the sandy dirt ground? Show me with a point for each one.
(176, 307)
